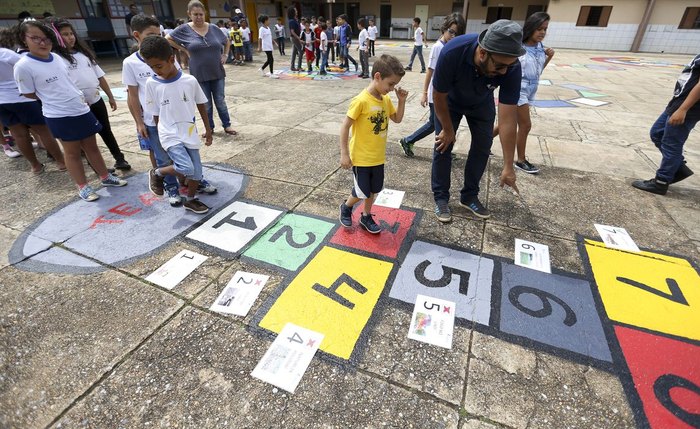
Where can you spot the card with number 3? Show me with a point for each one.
(432, 321)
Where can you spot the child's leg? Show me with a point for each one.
(368, 204)
(351, 201)
(196, 176)
(152, 157)
(20, 133)
(74, 162)
(420, 57)
(99, 109)
(524, 127)
(49, 143)
(94, 156)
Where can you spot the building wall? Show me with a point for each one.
(662, 33)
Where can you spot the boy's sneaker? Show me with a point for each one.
(422, 71)
(345, 215)
(122, 165)
(274, 76)
(526, 167)
(408, 68)
(654, 185)
(155, 183)
(88, 194)
(11, 152)
(206, 188)
(262, 72)
(196, 206)
(174, 198)
(113, 180)
(442, 211)
(367, 222)
(407, 148)
(683, 173)
(476, 208)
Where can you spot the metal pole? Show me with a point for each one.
(641, 30)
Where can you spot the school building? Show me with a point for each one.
(620, 25)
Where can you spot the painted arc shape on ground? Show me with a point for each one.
(118, 228)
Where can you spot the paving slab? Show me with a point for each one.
(7, 237)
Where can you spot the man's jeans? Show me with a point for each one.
(669, 139)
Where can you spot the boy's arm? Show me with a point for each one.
(105, 87)
(678, 117)
(402, 94)
(132, 100)
(207, 129)
(345, 161)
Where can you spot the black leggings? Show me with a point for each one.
(269, 61)
(99, 109)
(371, 48)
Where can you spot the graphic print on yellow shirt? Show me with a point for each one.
(369, 132)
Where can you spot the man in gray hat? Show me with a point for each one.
(470, 68)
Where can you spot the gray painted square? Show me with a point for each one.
(473, 304)
(585, 335)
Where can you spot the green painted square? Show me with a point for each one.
(290, 242)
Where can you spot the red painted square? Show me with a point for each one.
(395, 225)
(654, 362)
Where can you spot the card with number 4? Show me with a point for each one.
(171, 273)
(287, 359)
(240, 293)
(616, 238)
(433, 321)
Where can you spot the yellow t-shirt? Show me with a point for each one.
(368, 134)
(236, 37)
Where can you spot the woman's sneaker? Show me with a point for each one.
(526, 167)
(113, 180)
(88, 194)
(368, 223)
(196, 206)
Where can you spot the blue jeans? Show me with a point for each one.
(345, 53)
(247, 51)
(669, 139)
(480, 120)
(162, 158)
(425, 130)
(214, 89)
(186, 161)
(417, 50)
(324, 61)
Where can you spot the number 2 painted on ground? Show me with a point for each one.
(288, 232)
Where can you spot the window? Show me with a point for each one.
(691, 19)
(493, 14)
(594, 16)
(533, 8)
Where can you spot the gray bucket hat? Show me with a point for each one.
(503, 37)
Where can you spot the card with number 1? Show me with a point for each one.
(433, 321)
(171, 273)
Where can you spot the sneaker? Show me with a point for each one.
(174, 198)
(408, 68)
(113, 180)
(274, 76)
(476, 208)
(526, 167)
(267, 74)
(155, 183)
(654, 185)
(407, 148)
(11, 152)
(206, 188)
(683, 173)
(196, 206)
(345, 215)
(88, 194)
(367, 222)
(122, 165)
(422, 71)
(442, 211)
(262, 72)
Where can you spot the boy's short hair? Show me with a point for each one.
(262, 18)
(416, 20)
(279, 19)
(155, 47)
(303, 21)
(141, 22)
(235, 23)
(362, 22)
(343, 16)
(387, 66)
(324, 26)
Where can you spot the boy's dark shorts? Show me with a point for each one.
(368, 181)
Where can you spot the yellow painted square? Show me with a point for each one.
(302, 305)
(634, 306)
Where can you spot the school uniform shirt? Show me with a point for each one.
(224, 30)
(308, 38)
(279, 31)
(49, 80)
(175, 101)
(369, 132)
(265, 35)
(237, 38)
(9, 93)
(458, 76)
(432, 63)
(372, 32)
(85, 75)
(418, 37)
(532, 61)
(362, 39)
(685, 83)
(245, 33)
(324, 41)
(135, 72)
(336, 32)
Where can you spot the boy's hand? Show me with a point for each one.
(345, 162)
(678, 117)
(112, 104)
(208, 137)
(549, 52)
(401, 93)
(424, 99)
(141, 129)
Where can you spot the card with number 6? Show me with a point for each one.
(240, 293)
(433, 321)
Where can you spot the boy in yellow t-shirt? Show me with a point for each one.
(369, 115)
(237, 43)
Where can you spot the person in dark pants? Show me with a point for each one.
(294, 32)
(468, 71)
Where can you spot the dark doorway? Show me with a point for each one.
(384, 20)
(353, 15)
(338, 9)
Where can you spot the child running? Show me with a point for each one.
(89, 78)
(368, 117)
(532, 63)
(42, 75)
(265, 44)
(171, 97)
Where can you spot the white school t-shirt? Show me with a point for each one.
(418, 37)
(265, 35)
(279, 30)
(245, 34)
(8, 86)
(324, 41)
(49, 80)
(175, 101)
(85, 75)
(362, 39)
(135, 72)
(432, 63)
(372, 32)
(307, 38)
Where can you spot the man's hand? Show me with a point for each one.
(444, 140)
(424, 99)
(508, 178)
(678, 118)
(401, 93)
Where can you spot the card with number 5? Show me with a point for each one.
(433, 321)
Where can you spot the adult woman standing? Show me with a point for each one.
(207, 49)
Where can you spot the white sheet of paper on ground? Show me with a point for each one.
(171, 273)
(390, 198)
(240, 293)
(285, 362)
(589, 102)
(532, 255)
(432, 321)
(616, 238)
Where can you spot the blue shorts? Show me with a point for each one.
(74, 128)
(28, 113)
(186, 161)
(528, 89)
(368, 181)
